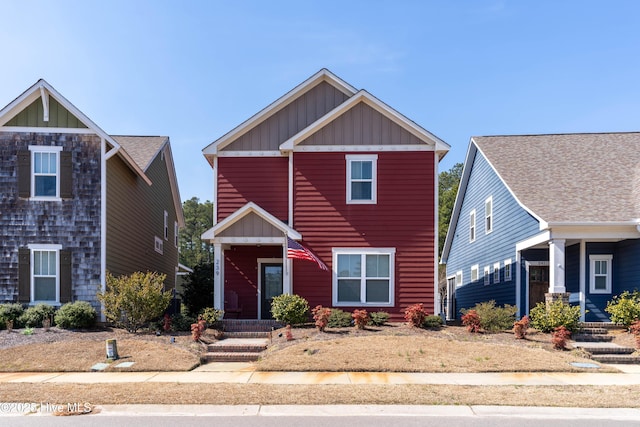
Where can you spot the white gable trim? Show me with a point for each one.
(251, 207)
(173, 181)
(363, 96)
(323, 75)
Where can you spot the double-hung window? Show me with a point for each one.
(472, 226)
(487, 277)
(600, 274)
(488, 215)
(45, 170)
(507, 270)
(45, 279)
(361, 179)
(496, 272)
(363, 276)
(474, 273)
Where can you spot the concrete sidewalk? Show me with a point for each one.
(244, 373)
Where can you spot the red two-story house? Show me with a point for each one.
(341, 173)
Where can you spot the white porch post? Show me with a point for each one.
(556, 270)
(287, 274)
(218, 277)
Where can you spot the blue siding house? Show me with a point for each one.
(542, 217)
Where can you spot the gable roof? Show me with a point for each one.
(323, 75)
(563, 179)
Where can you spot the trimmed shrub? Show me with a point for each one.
(290, 309)
(360, 318)
(211, 316)
(520, 327)
(339, 318)
(415, 314)
(321, 317)
(76, 315)
(33, 316)
(132, 301)
(10, 312)
(492, 318)
(432, 322)
(560, 337)
(624, 308)
(180, 322)
(378, 318)
(471, 320)
(558, 314)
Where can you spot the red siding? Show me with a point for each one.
(403, 218)
(262, 180)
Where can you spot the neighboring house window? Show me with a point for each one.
(496, 272)
(488, 215)
(166, 225)
(487, 277)
(175, 233)
(159, 245)
(472, 226)
(474, 273)
(507, 270)
(361, 178)
(363, 276)
(45, 168)
(459, 278)
(600, 274)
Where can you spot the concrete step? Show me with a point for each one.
(230, 357)
(607, 350)
(616, 358)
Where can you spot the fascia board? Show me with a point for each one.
(173, 182)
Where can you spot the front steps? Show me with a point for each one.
(594, 338)
(243, 341)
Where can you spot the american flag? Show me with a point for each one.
(296, 250)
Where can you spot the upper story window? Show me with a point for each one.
(176, 232)
(600, 274)
(361, 178)
(45, 172)
(474, 273)
(458, 278)
(488, 215)
(363, 276)
(166, 225)
(472, 226)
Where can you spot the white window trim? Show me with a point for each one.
(176, 232)
(472, 226)
(45, 149)
(475, 271)
(496, 272)
(488, 216)
(363, 251)
(459, 278)
(487, 275)
(373, 158)
(507, 269)
(166, 225)
(158, 245)
(592, 275)
(44, 247)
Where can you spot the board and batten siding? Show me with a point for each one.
(262, 180)
(403, 218)
(33, 116)
(306, 109)
(511, 224)
(135, 216)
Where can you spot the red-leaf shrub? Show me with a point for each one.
(520, 327)
(560, 337)
(197, 329)
(166, 323)
(360, 318)
(472, 321)
(415, 314)
(321, 316)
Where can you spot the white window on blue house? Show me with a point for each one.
(600, 274)
(487, 277)
(45, 169)
(472, 226)
(459, 278)
(507, 270)
(496, 272)
(361, 179)
(488, 215)
(474, 273)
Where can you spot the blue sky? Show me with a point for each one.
(194, 70)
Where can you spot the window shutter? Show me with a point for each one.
(24, 275)
(65, 276)
(24, 174)
(66, 184)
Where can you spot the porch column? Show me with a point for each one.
(218, 276)
(287, 274)
(556, 267)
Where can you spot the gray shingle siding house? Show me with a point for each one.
(540, 215)
(76, 202)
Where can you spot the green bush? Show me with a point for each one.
(379, 318)
(180, 323)
(432, 322)
(33, 316)
(624, 308)
(492, 318)
(211, 315)
(290, 309)
(197, 291)
(10, 312)
(76, 315)
(132, 301)
(559, 314)
(339, 319)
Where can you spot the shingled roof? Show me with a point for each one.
(142, 149)
(570, 178)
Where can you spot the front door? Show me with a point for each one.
(270, 286)
(538, 284)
